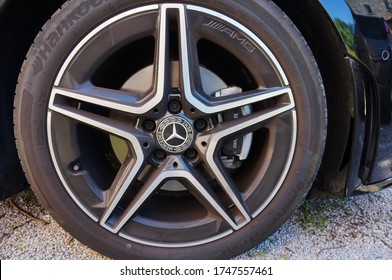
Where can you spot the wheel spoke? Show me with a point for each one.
(189, 63)
(232, 192)
(133, 163)
(152, 183)
(108, 98)
(162, 64)
(129, 102)
(207, 142)
(191, 82)
(225, 103)
(115, 127)
(209, 146)
(124, 179)
(196, 184)
(202, 190)
(229, 102)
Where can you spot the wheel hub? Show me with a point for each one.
(175, 134)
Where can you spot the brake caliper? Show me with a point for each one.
(237, 148)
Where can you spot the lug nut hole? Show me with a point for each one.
(160, 154)
(149, 125)
(200, 125)
(191, 154)
(175, 106)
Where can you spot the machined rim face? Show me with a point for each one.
(171, 125)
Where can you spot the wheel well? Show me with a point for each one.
(328, 49)
(20, 21)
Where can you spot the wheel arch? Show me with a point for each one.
(331, 54)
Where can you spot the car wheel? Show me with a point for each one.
(170, 130)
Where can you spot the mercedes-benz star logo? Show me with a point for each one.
(175, 134)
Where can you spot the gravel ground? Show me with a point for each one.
(358, 228)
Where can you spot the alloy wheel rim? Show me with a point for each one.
(127, 196)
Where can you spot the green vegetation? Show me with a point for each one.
(260, 253)
(27, 195)
(285, 257)
(309, 216)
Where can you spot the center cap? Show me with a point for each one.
(175, 134)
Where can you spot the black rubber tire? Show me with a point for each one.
(31, 106)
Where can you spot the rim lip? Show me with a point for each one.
(262, 47)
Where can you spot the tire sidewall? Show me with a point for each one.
(33, 92)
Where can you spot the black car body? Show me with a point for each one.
(352, 45)
(366, 34)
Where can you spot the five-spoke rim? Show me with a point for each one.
(89, 106)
